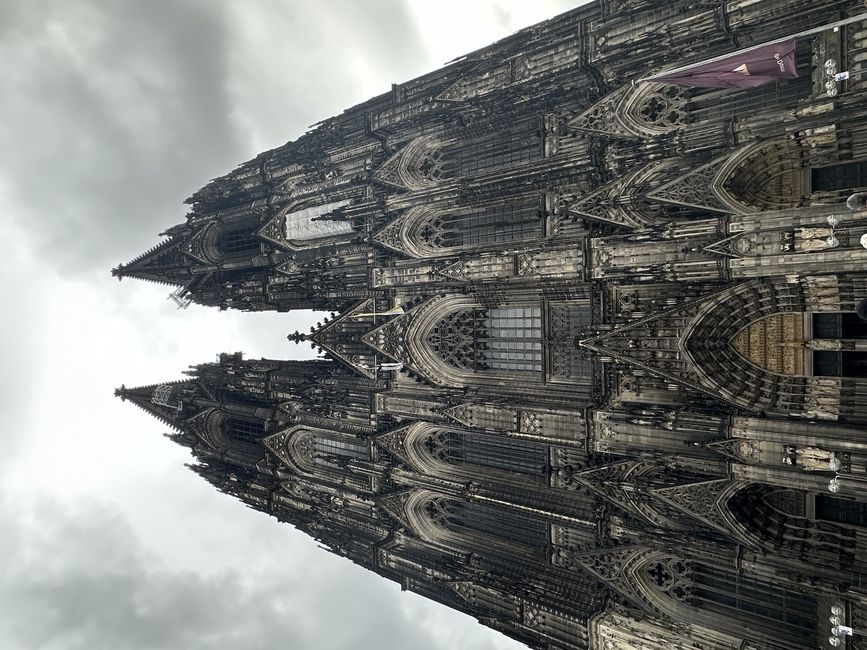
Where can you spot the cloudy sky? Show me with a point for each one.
(112, 112)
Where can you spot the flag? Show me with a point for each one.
(743, 69)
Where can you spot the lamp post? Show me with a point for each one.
(838, 628)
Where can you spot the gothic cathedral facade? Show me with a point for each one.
(594, 371)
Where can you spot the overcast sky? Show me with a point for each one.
(112, 112)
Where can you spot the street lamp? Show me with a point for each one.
(838, 627)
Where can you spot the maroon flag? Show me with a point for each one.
(744, 69)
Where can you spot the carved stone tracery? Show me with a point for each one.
(639, 111)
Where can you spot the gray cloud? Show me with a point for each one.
(301, 62)
(120, 110)
(98, 589)
(26, 304)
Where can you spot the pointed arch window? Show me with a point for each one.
(717, 588)
(333, 452)
(503, 524)
(519, 144)
(485, 450)
(732, 595)
(496, 339)
(481, 524)
(514, 220)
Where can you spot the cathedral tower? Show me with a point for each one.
(595, 371)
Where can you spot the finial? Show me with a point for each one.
(297, 337)
(120, 392)
(118, 271)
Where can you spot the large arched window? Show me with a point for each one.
(501, 339)
(499, 523)
(459, 340)
(516, 145)
(218, 241)
(736, 598)
(514, 220)
(332, 452)
(776, 519)
(321, 453)
(469, 525)
(740, 602)
(433, 230)
(486, 450)
(456, 454)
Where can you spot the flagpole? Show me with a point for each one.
(722, 57)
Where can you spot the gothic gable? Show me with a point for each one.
(694, 189)
(396, 504)
(394, 235)
(278, 444)
(618, 483)
(206, 427)
(337, 337)
(394, 443)
(620, 202)
(417, 166)
(273, 231)
(704, 501)
(639, 344)
(390, 338)
(636, 111)
(200, 246)
(615, 567)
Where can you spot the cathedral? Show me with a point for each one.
(594, 369)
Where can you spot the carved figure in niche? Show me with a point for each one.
(811, 459)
